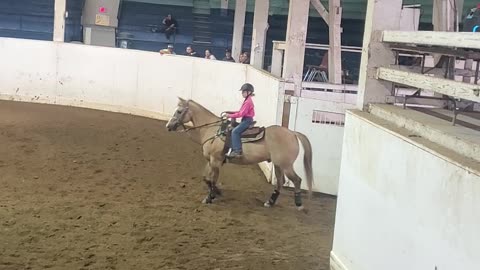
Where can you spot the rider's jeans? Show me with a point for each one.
(237, 133)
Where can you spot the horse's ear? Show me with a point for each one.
(181, 100)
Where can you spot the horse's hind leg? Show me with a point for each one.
(297, 182)
(280, 180)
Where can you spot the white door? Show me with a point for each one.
(323, 123)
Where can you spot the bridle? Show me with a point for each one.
(180, 122)
(179, 119)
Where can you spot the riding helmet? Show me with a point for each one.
(247, 87)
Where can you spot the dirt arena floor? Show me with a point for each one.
(85, 189)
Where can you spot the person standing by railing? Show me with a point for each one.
(228, 56)
(209, 55)
(189, 51)
(244, 58)
(170, 26)
(168, 50)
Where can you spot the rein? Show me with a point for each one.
(205, 125)
(201, 126)
(197, 127)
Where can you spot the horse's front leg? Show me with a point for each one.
(210, 177)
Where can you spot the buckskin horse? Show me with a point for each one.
(275, 144)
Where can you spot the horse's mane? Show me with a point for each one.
(196, 104)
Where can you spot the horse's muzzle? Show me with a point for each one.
(171, 127)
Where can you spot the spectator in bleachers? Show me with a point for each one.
(209, 55)
(189, 51)
(168, 50)
(228, 56)
(244, 58)
(170, 26)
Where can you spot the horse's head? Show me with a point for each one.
(181, 116)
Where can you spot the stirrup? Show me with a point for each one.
(234, 154)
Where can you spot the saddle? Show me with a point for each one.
(252, 134)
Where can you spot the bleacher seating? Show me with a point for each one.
(34, 19)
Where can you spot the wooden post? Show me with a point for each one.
(443, 19)
(468, 66)
(295, 45)
(224, 7)
(224, 4)
(59, 21)
(335, 51)
(459, 4)
(381, 15)
(238, 27)
(259, 34)
(277, 61)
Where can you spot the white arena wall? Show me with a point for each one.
(402, 204)
(129, 81)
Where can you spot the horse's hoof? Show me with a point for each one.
(217, 191)
(267, 204)
(207, 200)
(300, 208)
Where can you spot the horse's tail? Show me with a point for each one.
(307, 161)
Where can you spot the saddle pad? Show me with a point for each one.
(253, 134)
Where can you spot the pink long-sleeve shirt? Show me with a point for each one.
(247, 109)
